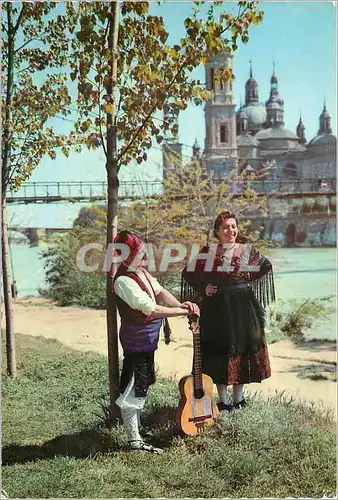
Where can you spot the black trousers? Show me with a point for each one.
(142, 366)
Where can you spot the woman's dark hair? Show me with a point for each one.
(224, 216)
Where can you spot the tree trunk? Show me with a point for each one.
(5, 157)
(8, 299)
(112, 194)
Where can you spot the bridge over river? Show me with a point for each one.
(89, 192)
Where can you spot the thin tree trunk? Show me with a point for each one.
(8, 299)
(112, 193)
(5, 157)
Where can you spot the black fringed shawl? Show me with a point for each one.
(193, 283)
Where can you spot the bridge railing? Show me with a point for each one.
(84, 190)
(286, 186)
(87, 190)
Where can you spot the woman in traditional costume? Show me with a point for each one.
(137, 296)
(232, 288)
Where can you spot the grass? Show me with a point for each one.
(55, 443)
(323, 371)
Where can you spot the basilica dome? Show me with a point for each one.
(323, 140)
(276, 133)
(278, 138)
(254, 113)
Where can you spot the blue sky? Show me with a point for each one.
(300, 37)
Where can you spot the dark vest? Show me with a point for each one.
(127, 314)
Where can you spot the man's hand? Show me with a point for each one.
(192, 308)
(210, 290)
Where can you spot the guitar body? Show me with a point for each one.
(194, 414)
(197, 409)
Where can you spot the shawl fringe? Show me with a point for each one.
(166, 331)
(263, 289)
(189, 293)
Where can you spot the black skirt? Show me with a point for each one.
(142, 366)
(233, 345)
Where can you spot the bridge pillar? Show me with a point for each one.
(36, 235)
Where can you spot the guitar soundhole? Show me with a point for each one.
(199, 393)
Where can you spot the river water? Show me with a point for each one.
(299, 273)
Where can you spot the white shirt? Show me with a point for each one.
(130, 292)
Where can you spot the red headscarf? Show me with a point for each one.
(133, 242)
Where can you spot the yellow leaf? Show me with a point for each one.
(108, 108)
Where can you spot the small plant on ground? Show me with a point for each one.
(294, 318)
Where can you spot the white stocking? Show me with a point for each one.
(238, 393)
(139, 418)
(130, 424)
(130, 409)
(223, 394)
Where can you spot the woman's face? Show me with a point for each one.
(228, 231)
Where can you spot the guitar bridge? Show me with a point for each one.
(199, 419)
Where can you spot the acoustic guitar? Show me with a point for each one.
(197, 408)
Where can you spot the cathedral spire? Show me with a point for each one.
(196, 150)
(301, 130)
(274, 79)
(324, 122)
(274, 105)
(251, 89)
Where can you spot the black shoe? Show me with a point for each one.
(224, 409)
(142, 446)
(240, 404)
(145, 431)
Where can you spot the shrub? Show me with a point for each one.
(66, 283)
(293, 318)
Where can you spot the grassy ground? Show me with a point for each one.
(56, 445)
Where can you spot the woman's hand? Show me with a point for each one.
(192, 308)
(210, 290)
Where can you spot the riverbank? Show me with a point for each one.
(303, 371)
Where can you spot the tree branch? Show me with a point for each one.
(17, 24)
(100, 89)
(24, 69)
(10, 177)
(143, 124)
(28, 42)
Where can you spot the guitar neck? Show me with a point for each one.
(197, 367)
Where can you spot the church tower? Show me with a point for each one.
(220, 120)
(300, 131)
(324, 122)
(251, 89)
(274, 105)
